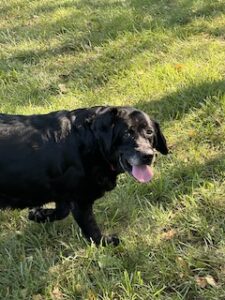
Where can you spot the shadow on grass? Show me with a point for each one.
(33, 254)
(97, 71)
(173, 183)
(38, 249)
(78, 35)
(91, 72)
(88, 26)
(176, 182)
(174, 13)
(181, 102)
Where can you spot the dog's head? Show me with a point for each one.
(127, 139)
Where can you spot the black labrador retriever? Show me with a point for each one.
(72, 158)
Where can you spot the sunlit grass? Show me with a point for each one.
(167, 58)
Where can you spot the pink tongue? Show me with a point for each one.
(142, 173)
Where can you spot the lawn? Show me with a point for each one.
(168, 58)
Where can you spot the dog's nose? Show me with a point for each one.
(146, 158)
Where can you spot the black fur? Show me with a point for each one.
(72, 158)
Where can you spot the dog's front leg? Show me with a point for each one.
(85, 219)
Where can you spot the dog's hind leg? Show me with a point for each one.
(41, 215)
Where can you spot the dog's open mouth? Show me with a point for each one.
(142, 173)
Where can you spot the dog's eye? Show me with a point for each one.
(126, 134)
(149, 132)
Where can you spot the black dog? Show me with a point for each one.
(72, 158)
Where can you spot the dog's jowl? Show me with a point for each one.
(72, 158)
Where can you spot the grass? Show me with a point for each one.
(167, 58)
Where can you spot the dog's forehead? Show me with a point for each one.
(139, 118)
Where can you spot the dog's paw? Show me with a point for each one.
(110, 240)
(39, 215)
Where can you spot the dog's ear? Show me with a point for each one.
(103, 127)
(159, 140)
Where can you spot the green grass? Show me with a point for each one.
(167, 58)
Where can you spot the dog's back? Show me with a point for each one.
(29, 156)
